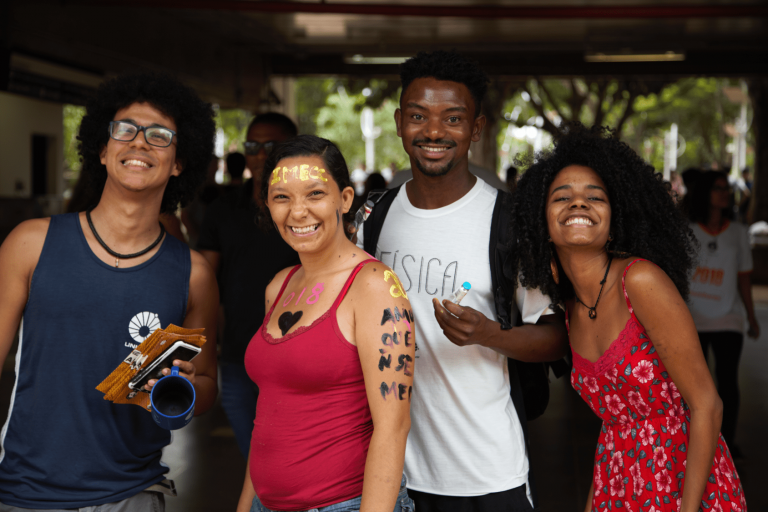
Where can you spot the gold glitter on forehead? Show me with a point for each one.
(301, 172)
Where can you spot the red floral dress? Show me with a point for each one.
(641, 453)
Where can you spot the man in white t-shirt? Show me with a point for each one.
(466, 450)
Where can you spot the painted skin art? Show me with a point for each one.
(316, 291)
(289, 319)
(397, 289)
(392, 340)
(301, 172)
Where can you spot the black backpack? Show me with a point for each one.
(529, 382)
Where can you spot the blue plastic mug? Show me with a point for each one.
(173, 401)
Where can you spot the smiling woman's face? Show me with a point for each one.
(578, 210)
(306, 204)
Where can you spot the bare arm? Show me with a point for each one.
(385, 338)
(547, 340)
(19, 255)
(745, 291)
(665, 316)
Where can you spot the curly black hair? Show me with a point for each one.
(446, 65)
(644, 219)
(195, 129)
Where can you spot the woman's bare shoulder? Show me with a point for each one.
(649, 287)
(642, 273)
(378, 283)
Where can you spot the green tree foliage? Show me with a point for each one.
(337, 118)
(640, 111)
(599, 101)
(73, 114)
(702, 114)
(234, 123)
(311, 96)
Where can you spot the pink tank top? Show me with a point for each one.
(313, 424)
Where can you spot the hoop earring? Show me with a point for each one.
(608, 242)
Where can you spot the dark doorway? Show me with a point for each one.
(42, 165)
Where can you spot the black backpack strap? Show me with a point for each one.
(382, 200)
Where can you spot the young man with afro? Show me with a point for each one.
(466, 449)
(84, 289)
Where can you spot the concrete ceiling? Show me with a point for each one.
(226, 48)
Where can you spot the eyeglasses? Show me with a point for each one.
(252, 147)
(125, 131)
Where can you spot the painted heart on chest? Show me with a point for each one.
(288, 320)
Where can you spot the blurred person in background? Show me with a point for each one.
(192, 215)
(245, 253)
(235, 168)
(375, 181)
(677, 187)
(721, 288)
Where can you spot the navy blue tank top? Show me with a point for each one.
(63, 445)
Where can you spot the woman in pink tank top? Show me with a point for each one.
(603, 237)
(334, 358)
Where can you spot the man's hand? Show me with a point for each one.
(186, 369)
(463, 325)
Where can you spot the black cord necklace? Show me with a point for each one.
(593, 309)
(117, 255)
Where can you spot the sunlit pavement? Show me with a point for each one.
(209, 470)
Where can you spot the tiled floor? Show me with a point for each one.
(209, 470)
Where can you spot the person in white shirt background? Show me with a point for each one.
(721, 288)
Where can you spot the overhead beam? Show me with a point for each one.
(713, 63)
(462, 11)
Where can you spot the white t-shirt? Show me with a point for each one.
(715, 302)
(466, 438)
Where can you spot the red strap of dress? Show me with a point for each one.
(624, 287)
(350, 279)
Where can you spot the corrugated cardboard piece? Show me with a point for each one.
(115, 386)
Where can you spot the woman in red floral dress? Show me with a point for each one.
(617, 257)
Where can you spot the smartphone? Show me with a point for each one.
(179, 350)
